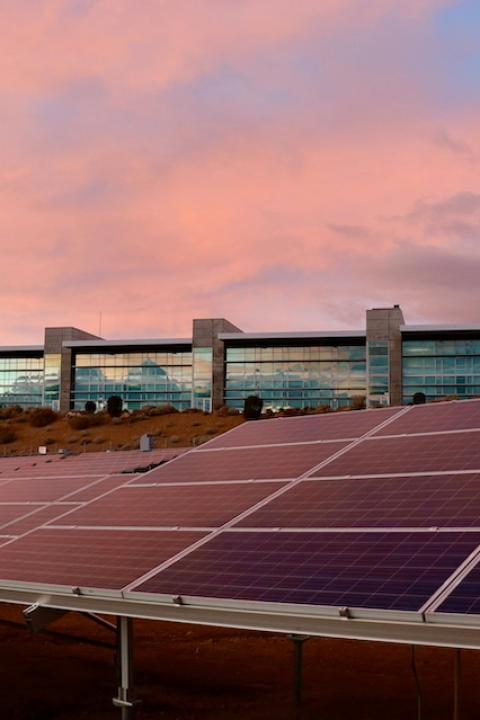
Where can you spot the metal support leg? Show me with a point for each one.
(125, 699)
(417, 682)
(456, 685)
(298, 641)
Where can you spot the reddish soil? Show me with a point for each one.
(194, 673)
(175, 430)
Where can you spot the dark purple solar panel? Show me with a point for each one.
(302, 429)
(465, 598)
(93, 558)
(427, 453)
(284, 461)
(427, 501)
(396, 571)
(172, 506)
(459, 415)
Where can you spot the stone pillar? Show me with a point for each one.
(58, 359)
(205, 335)
(383, 325)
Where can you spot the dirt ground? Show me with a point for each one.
(199, 673)
(175, 430)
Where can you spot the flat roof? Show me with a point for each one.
(126, 343)
(309, 335)
(21, 348)
(439, 328)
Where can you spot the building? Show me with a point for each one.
(386, 363)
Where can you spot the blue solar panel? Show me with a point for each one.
(382, 570)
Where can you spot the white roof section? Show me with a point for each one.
(20, 348)
(293, 335)
(127, 343)
(440, 328)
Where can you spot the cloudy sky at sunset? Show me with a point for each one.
(282, 164)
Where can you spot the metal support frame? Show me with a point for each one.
(38, 617)
(298, 641)
(125, 699)
(418, 687)
(456, 683)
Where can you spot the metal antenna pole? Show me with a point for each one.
(125, 698)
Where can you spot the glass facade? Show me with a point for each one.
(441, 368)
(378, 373)
(53, 364)
(202, 378)
(21, 381)
(162, 377)
(295, 376)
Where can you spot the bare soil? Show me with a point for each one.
(199, 673)
(175, 430)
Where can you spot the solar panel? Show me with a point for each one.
(168, 506)
(320, 511)
(397, 571)
(396, 502)
(40, 489)
(302, 429)
(436, 417)
(284, 461)
(412, 453)
(465, 597)
(88, 558)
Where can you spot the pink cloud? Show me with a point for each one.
(282, 165)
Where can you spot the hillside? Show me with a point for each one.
(18, 436)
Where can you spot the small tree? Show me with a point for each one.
(114, 406)
(252, 408)
(90, 407)
(419, 398)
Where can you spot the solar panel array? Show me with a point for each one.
(376, 509)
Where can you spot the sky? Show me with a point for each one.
(282, 164)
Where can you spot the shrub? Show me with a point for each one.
(83, 422)
(49, 441)
(40, 417)
(10, 412)
(357, 402)
(7, 436)
(174, 439)
(160, 410)
(114, 406)
(252, 407)
(90, 407)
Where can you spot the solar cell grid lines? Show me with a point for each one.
(171, 506)
(437, 417)
(411, 453)
(91, 463)
(41, 489)
(465, 597)
(394, 571)
(283, 461)
(428, 501)
(34, 517)
(310, 428)
(88, 558)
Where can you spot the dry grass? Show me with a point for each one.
(173, 430)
